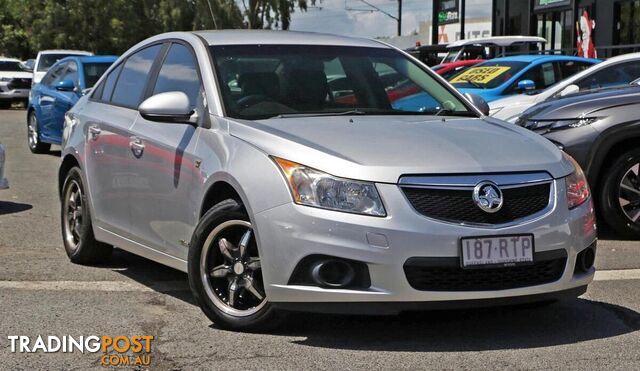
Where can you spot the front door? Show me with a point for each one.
(165, 215)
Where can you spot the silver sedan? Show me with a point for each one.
(285, 171)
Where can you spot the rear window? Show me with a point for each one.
(93, 72)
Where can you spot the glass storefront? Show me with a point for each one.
(627, 24)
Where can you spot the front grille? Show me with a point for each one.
(20, 84)
(456, 205)
(445, 274)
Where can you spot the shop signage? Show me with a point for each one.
(448, 11)
(548, 4)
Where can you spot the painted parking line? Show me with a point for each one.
(169, 286)
(106, 286)
(616, 275)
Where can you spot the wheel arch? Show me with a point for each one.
(615, 141)
(218, 191)
(68, 162)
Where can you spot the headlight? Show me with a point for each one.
(551, 125)
(311, 187)
(577, 187)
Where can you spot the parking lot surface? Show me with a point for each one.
(42, 293)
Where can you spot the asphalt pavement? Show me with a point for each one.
(42, 293)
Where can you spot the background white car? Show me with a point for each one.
(15, 82)
(47, 58)
(620, 70)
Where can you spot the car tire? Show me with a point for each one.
(228, 220)
(33, 136)
(624, 172)
(77, 230)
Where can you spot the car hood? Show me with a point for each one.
(581, 105)
(16, 74)
(383, 148)
(517, 99)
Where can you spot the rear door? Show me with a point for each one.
(109, 116)
(164, 215)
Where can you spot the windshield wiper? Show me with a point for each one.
(320, 114)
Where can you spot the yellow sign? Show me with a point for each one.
(480, 75)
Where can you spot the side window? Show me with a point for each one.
(54, 75)
(106, 89)
(617, 74)
(542, 76)
(133, 78)
(570, 68)
(179, 73)
(71, 73)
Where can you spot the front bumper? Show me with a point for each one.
(15, 94)
(289, 232)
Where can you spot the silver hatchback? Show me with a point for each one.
(297, 171)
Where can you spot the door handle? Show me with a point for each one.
(137, 146)
(94, 132)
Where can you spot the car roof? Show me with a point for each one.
(63, 51)
(5, 59)
(498, 41)
(540, 58)
(258, 37)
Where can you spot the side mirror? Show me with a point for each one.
(66, 85)
(525, 85)
(570, 89)
(479, 102)
(172, 107)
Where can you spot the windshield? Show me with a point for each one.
(48, 60)
(93, 71)
(487, 75)
(451, 55)
(262, 81)
(11, 66)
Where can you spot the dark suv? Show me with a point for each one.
(601, 130)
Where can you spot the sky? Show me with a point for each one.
(331, 16)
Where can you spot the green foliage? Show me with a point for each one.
(113, 26)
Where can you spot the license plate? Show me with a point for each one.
(503, 251)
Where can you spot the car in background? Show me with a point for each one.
(600, 130)
(615, 71)
(15, 82)
(62, 86)
(47, 58)
(490, 47)
(502, 77)
(4, 184)
(448, 70)
(430, 55)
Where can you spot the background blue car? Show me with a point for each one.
(501, 77)
(518, 74)
(62, 86)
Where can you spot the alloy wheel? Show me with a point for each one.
(629, 193)
(32, 131)
(230, 269)
(74, 207)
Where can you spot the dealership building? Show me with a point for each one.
(576, 27)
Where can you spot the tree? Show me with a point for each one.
(270, 13)
(113, 26)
